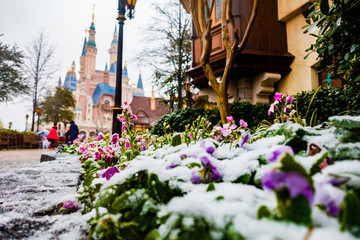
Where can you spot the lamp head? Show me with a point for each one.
(27, 116)
(172, 97)
(131, 5)
(187, 85)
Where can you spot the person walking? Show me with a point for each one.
(53, 137)
(74, 131)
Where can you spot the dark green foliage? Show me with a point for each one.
(327, 103)
(135, 202)
(295, 140)
(298, 210)
(252, 114)
(11, 82)
(263, 212)
(349, 214)
(176, 140)
(338, 42)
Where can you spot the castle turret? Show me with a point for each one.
(106, 74)
(82, 57)
(139, 90)
(70, 79)
(113, 48)
(90, 50)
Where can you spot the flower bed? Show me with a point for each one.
(284, 182)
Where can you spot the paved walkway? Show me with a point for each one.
(11, 160)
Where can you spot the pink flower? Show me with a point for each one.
(190, 136)
(233, 126)
(82, 148)
(99, 137)
(114, 138)
(289, 99)
(226, 132)
(286, 108)
(135, 117)
(97, 156)
(230, 119)
(122, 119)
(70, 204)
(226, 126)
(271, 109)
(243, 123)
(278, 96)
(127, 145)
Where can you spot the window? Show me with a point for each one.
(107, 103)
(218, 10)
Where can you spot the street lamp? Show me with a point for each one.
(26, 117)
(38, 112)
(187, 85)
(129, 5)
(10, 124)
(172, 99)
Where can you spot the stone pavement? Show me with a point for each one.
(31, 197)
(11, 160)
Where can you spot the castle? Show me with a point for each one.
(94, 91)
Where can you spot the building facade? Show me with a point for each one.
(273, 58)
(94, 90)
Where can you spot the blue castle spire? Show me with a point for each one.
(139, 83)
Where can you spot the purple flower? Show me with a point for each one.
(289, 99)
(278, 152)
(243, 123)
(171, 166)
(230, 119)
(209, 147)
(114, 138)
(208, 173)
(330, 196)
(244, 138)
(143, 147)
(70, 204)
(292, 181)
(107, 173)
(278, 96)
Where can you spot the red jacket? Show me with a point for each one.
(53, 134)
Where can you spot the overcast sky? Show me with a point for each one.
(64, 23)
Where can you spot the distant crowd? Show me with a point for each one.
(50, 139)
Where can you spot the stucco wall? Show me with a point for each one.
(302, 76)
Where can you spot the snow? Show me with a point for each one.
(29, 192)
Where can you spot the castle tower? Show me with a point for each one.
(90, 50)
(139, 90)
(106, 74)
(113, 48)
(82, 57)
(70, 79)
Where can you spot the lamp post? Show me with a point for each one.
(188, 93)
(123, 5)
(38, 112)
(172, 99)
(10, 124)
(26, 117)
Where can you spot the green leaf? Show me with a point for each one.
(315, 167)
(176, 140)
(298, 210)
(193, 164)
(263, 212)
(349, 213)
(87, 182)
(348, 122)
(288, 164)
(211, 187)
(324, 6)
(153, 235)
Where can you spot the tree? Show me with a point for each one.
(168, 48)
(201, 15)
(338, 42)
(58, 108)
(11, 81)
(38, 67)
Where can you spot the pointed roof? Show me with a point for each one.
(106, 67)
(139, 83)
(115, 38)
(83, 51)
(70, 81)
(113, 68)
